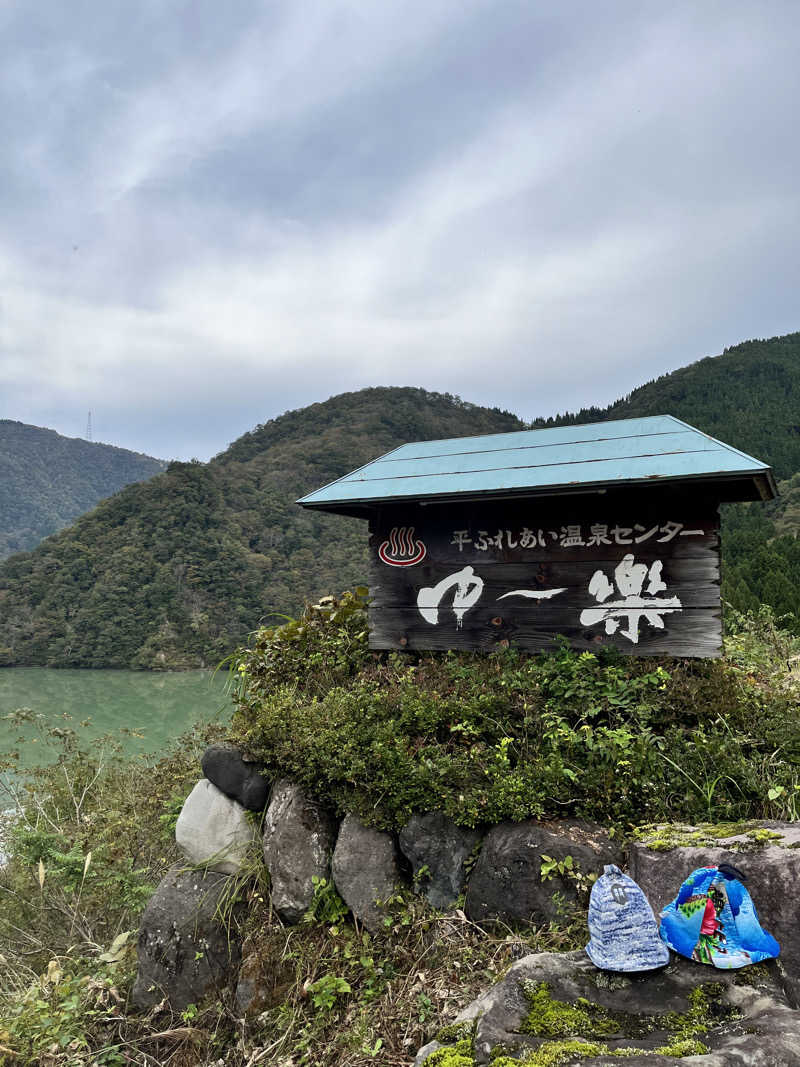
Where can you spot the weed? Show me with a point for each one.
(325, 990)
(326, 906)
(485, 738)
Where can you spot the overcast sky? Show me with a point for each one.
(211, 213)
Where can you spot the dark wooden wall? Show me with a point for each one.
(530, 545)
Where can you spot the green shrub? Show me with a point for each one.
(488, 737)
(85, 850)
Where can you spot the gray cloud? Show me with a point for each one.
(208, 216)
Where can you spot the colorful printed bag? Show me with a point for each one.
(622, 927)
(712, 920)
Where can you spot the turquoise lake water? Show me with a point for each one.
(157, 707)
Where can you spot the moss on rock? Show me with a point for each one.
(660, 837)
(553, 1053)
(456, 1032)
(566, 1022)
(557, 1018)
(458, 1055)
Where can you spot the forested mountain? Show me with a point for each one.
(177, 570)
(748, 397)
(47, 481)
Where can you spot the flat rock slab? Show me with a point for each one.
(298, 843)
(213, 831)
(225, 765)
(185, 951)
(506, 883)
(365, 870)
(437, 850)
(772, 866)
(723, 1018)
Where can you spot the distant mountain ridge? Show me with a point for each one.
(47, 480)
(177, 570)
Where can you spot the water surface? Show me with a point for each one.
(145, 709)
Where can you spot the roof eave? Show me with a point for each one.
(762, 480)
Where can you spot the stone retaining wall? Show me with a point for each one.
(495, 874)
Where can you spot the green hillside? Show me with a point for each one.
(177, 570)
(47, 481)
(786, 511)
(748, 397)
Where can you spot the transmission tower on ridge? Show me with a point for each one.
(89, 426)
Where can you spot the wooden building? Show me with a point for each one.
(607, 534)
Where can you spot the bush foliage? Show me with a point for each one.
(510, 736)
(86, 839)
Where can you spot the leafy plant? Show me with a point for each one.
(84, 854)
(568, 870)
(326, 989)
(326, 906)
(551, 867)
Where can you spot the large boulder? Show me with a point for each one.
(214, 831)
(186, 950)
(561, 1009)
(225, 765)
(298, 843)
(768, 853)
(507, 882)
(365, 870)
(437, 850)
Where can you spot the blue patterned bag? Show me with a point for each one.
(622, 927)
(712, 920)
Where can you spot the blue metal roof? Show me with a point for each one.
(561, 459)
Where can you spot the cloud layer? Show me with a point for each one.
(209, 216)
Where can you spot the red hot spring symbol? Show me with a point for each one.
(401, 550)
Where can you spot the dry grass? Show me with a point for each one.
(404, 986)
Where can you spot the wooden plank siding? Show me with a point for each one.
(695, 635)
(532, 549)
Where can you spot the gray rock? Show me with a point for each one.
(773, 877)
(298, 844)
(225, 765)
(213, 830)
(425, 1051)
(365, 870)
(743, 1017)
(433, 841)
(506, 882)
(250, 985)
(185, 951)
